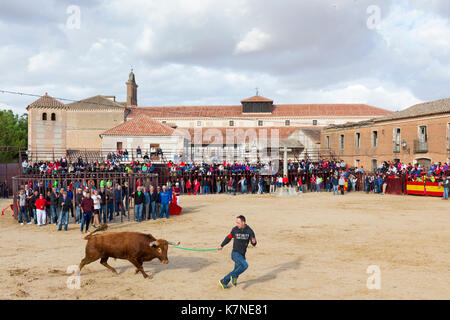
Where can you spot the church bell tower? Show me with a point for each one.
(131, 90)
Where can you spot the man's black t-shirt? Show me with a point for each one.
(241, 239)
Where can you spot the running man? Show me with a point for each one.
(242, 235)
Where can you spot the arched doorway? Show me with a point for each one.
(425, 162)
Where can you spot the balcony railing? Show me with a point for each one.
(420, 146)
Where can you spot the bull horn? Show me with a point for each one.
(154, 243)
(173, 243)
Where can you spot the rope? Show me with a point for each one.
(195, 249)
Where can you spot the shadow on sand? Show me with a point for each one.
(193, 264)
(272, 274)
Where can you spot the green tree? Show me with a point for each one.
(13, 134)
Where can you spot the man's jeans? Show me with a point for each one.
(240, 265)
(152, 209)
(34, 216)
(119, 203)
(85, 220)
(445, 193)
(103, 213)
(138, 211)
(23, 214)
(335, 189)
(54, 211)
(110, 211)
(164, 210)
(63, 219)
(78, 215)
(219, 187)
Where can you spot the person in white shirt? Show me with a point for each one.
(318, 182)
(96, 197)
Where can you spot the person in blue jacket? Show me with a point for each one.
(166, 198)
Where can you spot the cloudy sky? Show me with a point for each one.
(390, 54)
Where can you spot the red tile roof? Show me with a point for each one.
(257, 98)
(283, 110)
(140, 126)
(47, 101)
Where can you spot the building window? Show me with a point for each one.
(374, 139)
(199, 123)
(397, 140)
(53, 117)
(327, 138)
(423, 135)
(164, 121)
(231, 123)
(287, 122)
(260, 123)
(448, 136)
(374, 164)
(358, 140)
(44, 116)
(342, 142)
(314, 122)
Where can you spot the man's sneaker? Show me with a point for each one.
(224, 286)
(29, 223)
(234, 281)
(21, 223)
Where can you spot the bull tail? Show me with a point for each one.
(102, 227)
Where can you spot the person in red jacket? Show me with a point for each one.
(40, 209)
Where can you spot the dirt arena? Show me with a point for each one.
(313, 247)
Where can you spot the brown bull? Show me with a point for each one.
(135, 247)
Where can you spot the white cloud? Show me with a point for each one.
(217, 52)
(254, 40)
(45, 61)
(380, 96)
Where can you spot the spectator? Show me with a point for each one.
(87, 207)
(41, 205)
(165, 202)
(96, 197)
(22, 205)
(65, 204)
(139, 201)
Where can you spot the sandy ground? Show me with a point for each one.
(313, 247)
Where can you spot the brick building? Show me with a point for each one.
(419, 135)
(57, 129)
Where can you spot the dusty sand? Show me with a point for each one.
(313, 247)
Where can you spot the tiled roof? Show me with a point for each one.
(98, 101)
(283, 110)
(140, 126)
(423, 109)
(47, 101)
(257, 98)
(418, 110)
(313, 134)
